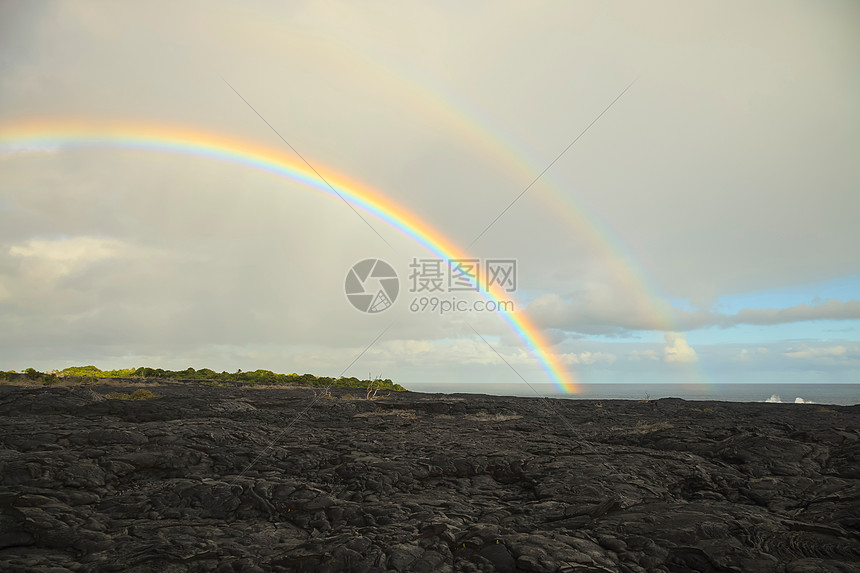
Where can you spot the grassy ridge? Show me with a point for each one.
(262, 377)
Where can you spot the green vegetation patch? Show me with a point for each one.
(139, 394)
(207, 376)
(29, 375)
(266, 377)
(93, 372)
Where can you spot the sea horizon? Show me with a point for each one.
(840, 394)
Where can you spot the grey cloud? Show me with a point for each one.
(597, 315)
(831, 309)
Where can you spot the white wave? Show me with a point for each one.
(775, 399)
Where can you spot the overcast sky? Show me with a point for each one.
(704, 229)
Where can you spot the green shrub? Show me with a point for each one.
(81, 371)
(139, 394)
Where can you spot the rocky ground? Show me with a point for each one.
(191, 481)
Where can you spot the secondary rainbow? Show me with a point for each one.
(35, 136)
(468, 123)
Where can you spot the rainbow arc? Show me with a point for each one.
(37, 135)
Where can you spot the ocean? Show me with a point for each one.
(838, 394)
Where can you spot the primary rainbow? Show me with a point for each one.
(34, 136)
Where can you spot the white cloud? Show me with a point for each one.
(637, 355)
(408, 347)
(13, 150)
(587, 358)
(677, 349)
(450, 352)
(811, 353)
(74, 250)
(744, 356)
(50, 260)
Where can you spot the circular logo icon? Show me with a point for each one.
(372, 285)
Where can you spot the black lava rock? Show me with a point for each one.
(229, 479)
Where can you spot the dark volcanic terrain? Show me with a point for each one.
(189, 481)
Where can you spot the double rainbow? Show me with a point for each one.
(33, 136)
